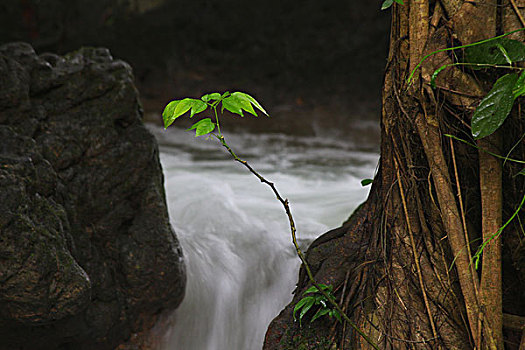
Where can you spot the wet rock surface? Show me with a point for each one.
(87, 254)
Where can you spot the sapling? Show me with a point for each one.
(239, 103)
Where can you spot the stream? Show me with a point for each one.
(241, 264)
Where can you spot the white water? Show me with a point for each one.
(241, 264)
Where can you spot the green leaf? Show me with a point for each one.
(196, 106)
(504, 53)
(319, 313)
(299, 305)
(203, 127)
(250, 99)
(495, 107)
(498, 51)
(313, 289)
(168, 113)
(337, 315)
(182, 107)
(366, 182)
(386, 4)
(307, 306)
(232, 104)
(213, 96)
(239, 102)
(244, 102)
(519, 87)
(522, 172)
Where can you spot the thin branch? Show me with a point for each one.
(293, 230)
(485, 150)
(518, 13)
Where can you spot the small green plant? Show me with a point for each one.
(312, 297)
(238, 103)
(388, 3)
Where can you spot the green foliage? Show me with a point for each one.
(495, 107)
(436, 73)
(366, 182)
(211, 97)
(519, 87)
(478, 254)
(496, 52)
(467, 46)
(484, 150)
(388, 3)
(236, 103)
(178, 108)
(239, 101)
(316, 299)
(203, 127)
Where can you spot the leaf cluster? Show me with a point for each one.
(236, 102)
(313, 297)
(495, 107)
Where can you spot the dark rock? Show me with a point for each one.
(87, 254)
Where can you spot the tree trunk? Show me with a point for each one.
(402, 265)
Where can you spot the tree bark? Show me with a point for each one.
(406, 254)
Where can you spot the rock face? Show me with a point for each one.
(87, 254)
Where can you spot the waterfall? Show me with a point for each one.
(241, 264)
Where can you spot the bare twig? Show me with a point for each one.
(286, 206)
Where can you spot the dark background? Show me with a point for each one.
(315, 65)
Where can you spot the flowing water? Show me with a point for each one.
(241, 265)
